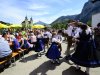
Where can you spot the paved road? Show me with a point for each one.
(43, 66)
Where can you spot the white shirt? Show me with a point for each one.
(0, 36)
(4, 48)
(65, 31)
(60, 39)
(57, 38)
(54, 40)
(88, 30)
(69, 30)
(12, 37)
(78, 30)
(39, 36)
(47, 35)
(33, 38)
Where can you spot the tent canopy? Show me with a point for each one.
(15, 26)
(38, 26)
(3, 26)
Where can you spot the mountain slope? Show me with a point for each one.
(64, 18)
(40, 22)
(2, 22)
(87, 11)
(86, 14)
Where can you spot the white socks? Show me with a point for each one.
(87, 70)
(77, 67)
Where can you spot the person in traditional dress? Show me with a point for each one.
(85, 54)
(54, 51)
(70, 33)
(32, 39)
(47, 36)
(39, 44)
(60, 39)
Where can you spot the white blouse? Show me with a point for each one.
(69, 30)
(57, 38)
(80, 30)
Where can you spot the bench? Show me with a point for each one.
(2, 62)
(14, 54)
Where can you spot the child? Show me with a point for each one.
(39, 44)
(54, 52)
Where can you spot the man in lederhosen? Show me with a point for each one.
(71, 32)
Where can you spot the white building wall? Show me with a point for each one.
(95, 19)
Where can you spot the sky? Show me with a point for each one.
(14, 11)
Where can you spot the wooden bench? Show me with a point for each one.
(2, 62)
(14, 54)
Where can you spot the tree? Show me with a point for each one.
(60, 25)
(89, 23)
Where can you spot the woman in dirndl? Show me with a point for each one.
(86, 54)
(54, 51)
(39, 44)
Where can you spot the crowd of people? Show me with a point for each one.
(87, 45)
(85, 39)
